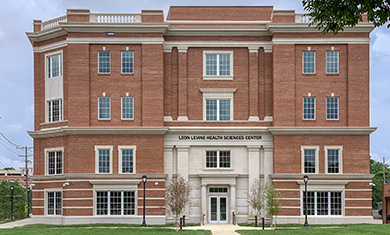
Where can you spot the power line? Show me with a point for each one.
(8, 140)
(9, 149)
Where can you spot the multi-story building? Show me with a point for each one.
(219, 95)
(18, 176)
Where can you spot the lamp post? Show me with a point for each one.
(305, 179)
(28, 202)
(144, 177)
(12, 201)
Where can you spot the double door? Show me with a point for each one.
(218, 212)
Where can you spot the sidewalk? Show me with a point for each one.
(225, 229)
(16, 223)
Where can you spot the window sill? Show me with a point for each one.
(218, 169)
(309, 74)
(309, 120)
(207, 77)
(104, 74)
(333, 120)
(56, 122)
(127, 74)
(332, 74)
(127, 120)
(104, 119)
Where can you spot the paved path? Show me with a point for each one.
(225, 229)
(16, 223)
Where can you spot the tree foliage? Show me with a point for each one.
(272, 202)
(9, 168)
(19, 197)
(377, 170)
(256, 197)
(178, 196)
(334, 15)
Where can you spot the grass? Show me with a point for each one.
(102, 225)
(346, 229)
(291, 225)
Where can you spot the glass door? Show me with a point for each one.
(218, 209)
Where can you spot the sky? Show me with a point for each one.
(16, 64)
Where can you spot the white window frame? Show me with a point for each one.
(316, 148)
(303, 108)
(99, 108)
(217, 168)
(134, 148)
(60, 119)
(51, 54)
(122, 63)
(99, 63)
(340, 148)
(338, 62)
(303, 62)
(122, 108)
(329, 202)
(338, 108)
(47, 150)
(97, 147)
(218, 93)
(218, 77)
(46, 200)
(109, 203)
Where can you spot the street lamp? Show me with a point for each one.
(144, 177)
(28, 202)
(12, 201)
(305, 179)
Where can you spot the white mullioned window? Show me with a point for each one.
(309, 159)
(332, 108)
(54, 203)
(104, 62)
(127, 61)
(218, 110)
(218, 159)
(127, 159)
(103, 159)
(104, 107)
(323, 203)
(309, 108)
(54, 110)
(54, 161)
(333, 159)
(115, 203)
(127, 107)
(218, 65)
(332, 62)
(54, 66)
(309, 60)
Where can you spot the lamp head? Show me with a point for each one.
(12, 187)
(305, 178)
(144, 177)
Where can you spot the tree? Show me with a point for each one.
(377, 169)
(9, 168)
(19, 197)
(334, 15)
(272, 202)
(256, 197)
(178, 197)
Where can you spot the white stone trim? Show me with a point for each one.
(218, 93)
(49, 190)
(320, 40)
(218, 21)
(46, 150)
(168, 119)
(134, 148)
(77, 207)
(77, 199)
(218, 77)
(182, 118)
(51, 46)
(338, 147)
(362, 207)
(322, 130)
(125, 40)
(267, 45)
(97, 147)
(316, 148)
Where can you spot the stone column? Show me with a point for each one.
(168, 161)
(182, 161)
(204, 204)
(254, 84)
(268, 163)
(232, 202)
(183, 94)
(253, 169)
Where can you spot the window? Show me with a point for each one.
(332, 108)
(126, 159)
(115, 203)
(55, 110)
(104, 62)
(104, 107)
(217, 159)
(333, 162)
(54, 162)
(217, 110)
(218, 190)
(127, 108)
(127, 62)
(54, 203)
(54, 66)
(309, 159)
(309, 108)
(322, 203)
(103, 161)
(309, 61)
(332, 62)
(218, 65)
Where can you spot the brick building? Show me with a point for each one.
(220, 95)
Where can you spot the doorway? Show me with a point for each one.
(218, 212)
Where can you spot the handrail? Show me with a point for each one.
(53, 22)
(301, 18)
(115, 18)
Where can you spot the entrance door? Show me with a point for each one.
(218, 210)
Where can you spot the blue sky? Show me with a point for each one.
(16, 63)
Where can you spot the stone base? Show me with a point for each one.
(64, 220)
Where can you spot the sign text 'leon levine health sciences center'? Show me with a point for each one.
(220, 137)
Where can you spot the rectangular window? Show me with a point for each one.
(332, 62)
(127, 108)
(54, 66)
(104, 62)
(127, 62)
(218, 64)
(104, 107)
(54, 162)
(104, 161)
(309, 108)
(323, 203)
(309, 160)
(54, 203)
(127, 158)
(218, 190)
(115, 203)
(217, 159)
(309, 61)
(54, 110)
(333, 156)
(218, 109)
(332, 108)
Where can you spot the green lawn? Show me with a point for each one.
(97, 231)
(366, 229)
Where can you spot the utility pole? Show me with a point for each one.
(26, 174)
(384, 168)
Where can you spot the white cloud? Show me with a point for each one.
(14, 128)
(382, 43)
(385, 151)
(375, 157)
(8, 162)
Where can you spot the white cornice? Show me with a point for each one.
(217, 31)
(45, 34)
(267, 45)
(218, 90)
(320, 40)
(115, 27)
(305, 28)
(322, 130)
(61, 131)
(216, 130)
(112, 40)
(218, 21)
(51, 46)
(322, 176)
(38, 178)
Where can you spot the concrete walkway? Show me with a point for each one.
(16, 223)
(225, 229)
